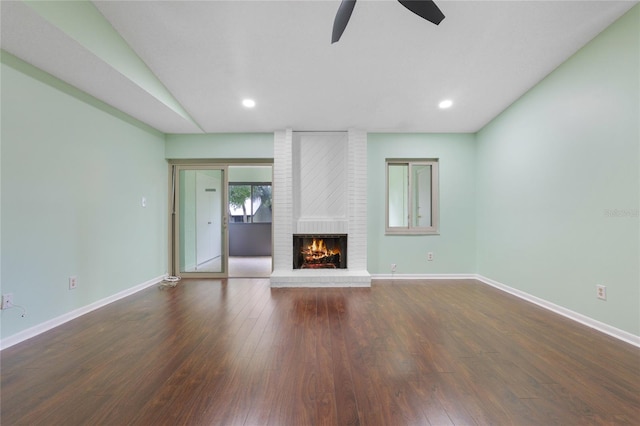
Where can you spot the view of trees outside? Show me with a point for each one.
(250, 203)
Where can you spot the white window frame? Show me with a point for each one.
(434, 229)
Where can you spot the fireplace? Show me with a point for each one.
(320, 251)
(320, 191)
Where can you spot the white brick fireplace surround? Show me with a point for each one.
(320, 187)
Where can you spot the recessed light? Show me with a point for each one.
(248, 103)
(445, 104)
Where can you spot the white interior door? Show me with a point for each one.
(208, 203)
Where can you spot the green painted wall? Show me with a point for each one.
(454, 249)
(73, 177)
(558, 183)
(220, 146)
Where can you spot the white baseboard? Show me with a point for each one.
(55, 322)
(582, 319)
(423, 276)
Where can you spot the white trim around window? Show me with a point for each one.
(412, 197)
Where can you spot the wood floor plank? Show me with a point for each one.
(236, 352)
(365, 338)
(346, 403)
(398, 363)
(327, 411)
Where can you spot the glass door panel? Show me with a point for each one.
(398, 203)
(201, 227)
(421, 181)
(262, 203)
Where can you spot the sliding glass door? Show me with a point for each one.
(200, 221)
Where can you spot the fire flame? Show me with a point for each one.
(318, 256)
(318, 246)
(318, 249)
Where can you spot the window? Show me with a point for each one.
(412, 197)
(250, 202)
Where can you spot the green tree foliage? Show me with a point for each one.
(238, 195)
(263, 192)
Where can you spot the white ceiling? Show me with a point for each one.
(387, 73)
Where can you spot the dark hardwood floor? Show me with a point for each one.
(212, 352)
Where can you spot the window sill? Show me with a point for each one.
(411, 232)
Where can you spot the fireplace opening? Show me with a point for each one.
(319, 252)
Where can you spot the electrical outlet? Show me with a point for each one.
(601, 292)
(7, 301)
(73, 282)
(430, 256)
(393, 267)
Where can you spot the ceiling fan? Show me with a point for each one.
(426, 9)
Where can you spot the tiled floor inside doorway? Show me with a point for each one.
(249, 267)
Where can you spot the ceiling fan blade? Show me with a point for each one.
(426, 9)
(342, 19)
